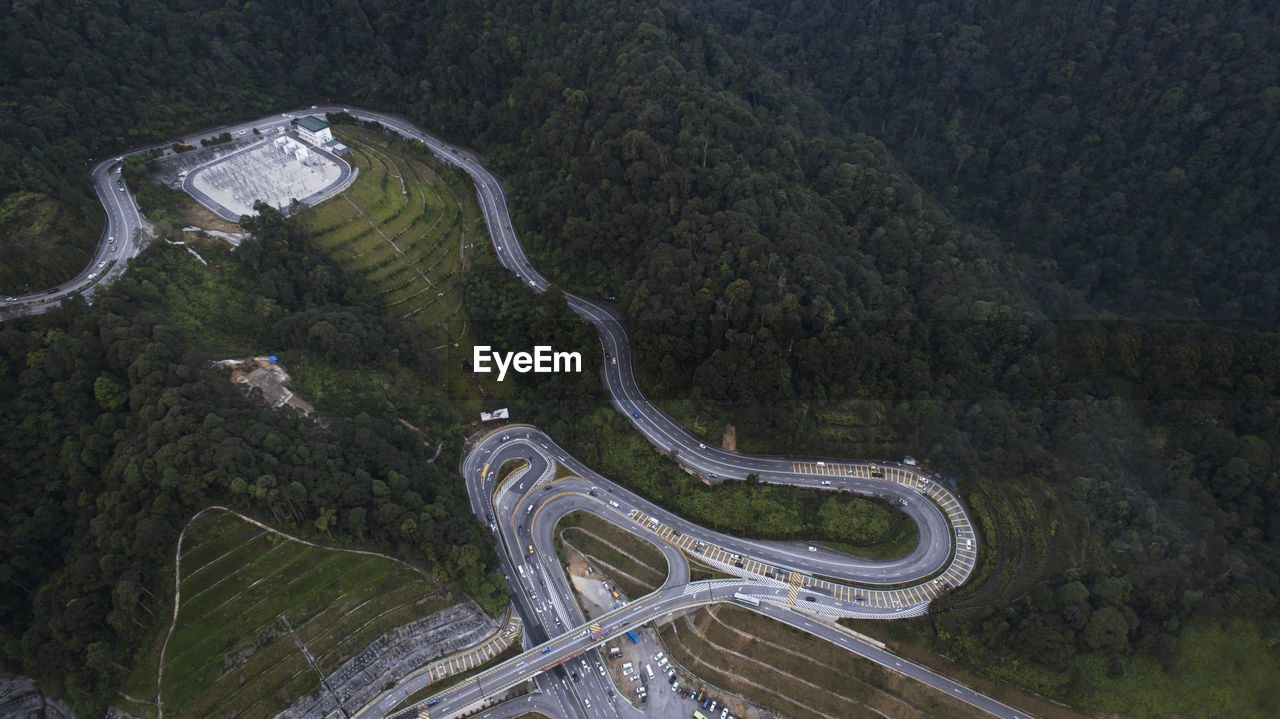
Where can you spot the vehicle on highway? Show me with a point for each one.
(53, 291)
(11, 299)
(813, 549)
(546, 650)
(433, 702)
(636, 415)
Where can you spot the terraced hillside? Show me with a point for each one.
(249, 597)
(404, 224)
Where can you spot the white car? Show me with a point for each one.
(93, 275)
(102, 264)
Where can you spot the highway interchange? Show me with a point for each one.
(805, 587)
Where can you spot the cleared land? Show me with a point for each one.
(775, 666)
(636, 567)
(248, 597)
(275, 171)
(402, 226)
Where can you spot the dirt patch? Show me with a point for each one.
(240, 655)
(575, 566)
(269, 378)
(193, 213)
(730, 440)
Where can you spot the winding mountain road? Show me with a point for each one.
(802, 586)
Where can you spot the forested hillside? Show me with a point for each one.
(1130, 150)
(117, 428)
(874, 229)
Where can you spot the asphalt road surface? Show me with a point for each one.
(523, 512)
(799, 585)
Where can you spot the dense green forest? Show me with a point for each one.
(1032, 243)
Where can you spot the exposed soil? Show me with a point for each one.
(730, 440)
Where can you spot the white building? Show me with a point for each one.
(314, 130)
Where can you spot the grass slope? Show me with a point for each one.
(402, 225)
(231, 652)
(638, 569)
(776, 666)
